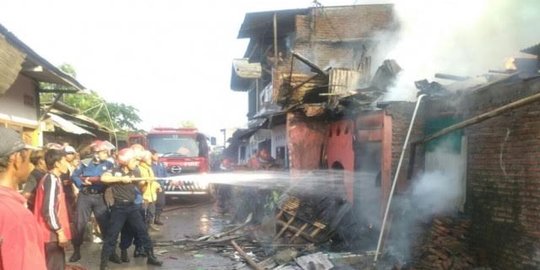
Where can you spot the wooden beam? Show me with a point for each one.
(310, 64)
(251, 263)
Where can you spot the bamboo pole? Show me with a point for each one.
(482, 117)
(276, 55)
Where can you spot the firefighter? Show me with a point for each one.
(51, 211)
(22, 243)
(256, 197)
(129, 236)
(149, 187)
(124, 209)
(91, 196)
(160, 171)
(262, 160)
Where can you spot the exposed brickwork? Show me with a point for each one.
(401, 113)
(334, 36)
(503, 177)
(345, 23)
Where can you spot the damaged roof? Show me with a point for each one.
(36, 67)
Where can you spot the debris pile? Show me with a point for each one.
(445, 245)
(311, 217)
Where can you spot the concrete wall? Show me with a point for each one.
(279, 139)
(18, 105)
(306, 140)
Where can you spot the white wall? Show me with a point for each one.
(279, 138)
(12, 106)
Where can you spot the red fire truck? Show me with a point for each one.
(183, 151)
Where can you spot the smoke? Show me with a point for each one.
(439, 191)
(460, 37)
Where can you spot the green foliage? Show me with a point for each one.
(123, 117)
(68, 69)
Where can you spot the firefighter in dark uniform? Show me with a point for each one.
(124, 209)
(87, 178)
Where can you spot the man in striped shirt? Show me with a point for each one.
(51, 209)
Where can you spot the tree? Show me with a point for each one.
(117, 116)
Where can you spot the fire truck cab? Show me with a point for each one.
(182, 151)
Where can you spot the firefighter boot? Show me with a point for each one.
(152, 259)
(124, 255)
(115, 258)
(139, 252)
(104, 264)
(157, 219)
(76, 256)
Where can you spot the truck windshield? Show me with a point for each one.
(174, 145)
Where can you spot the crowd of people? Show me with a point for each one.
(61, 193)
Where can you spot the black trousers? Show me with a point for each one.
(129, 235)
(160, 203)
(86, 204)
(55, 256)
(120, 215)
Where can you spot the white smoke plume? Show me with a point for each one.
(440, 190)
(460, 37)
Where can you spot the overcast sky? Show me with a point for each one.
(170, 59)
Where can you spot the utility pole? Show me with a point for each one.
(224, 136)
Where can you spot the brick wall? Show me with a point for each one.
(503, 177)
(335, 35)
(345, 22)
(401, 113)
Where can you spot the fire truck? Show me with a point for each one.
(182, 151)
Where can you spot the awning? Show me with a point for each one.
(68, 126)
(36, 67)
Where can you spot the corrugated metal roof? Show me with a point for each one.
(535, 50)
(49, 73)
(68, 126)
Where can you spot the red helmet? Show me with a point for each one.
(98, 146)
(139, 150)
(125, 155)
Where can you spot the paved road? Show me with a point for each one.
(184, 217)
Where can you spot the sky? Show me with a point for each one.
(170, 59)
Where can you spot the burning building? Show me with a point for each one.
(315, 80)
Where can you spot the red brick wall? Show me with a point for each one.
(503, 177)
(329, 36)
(346, 22)
(401, 113)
